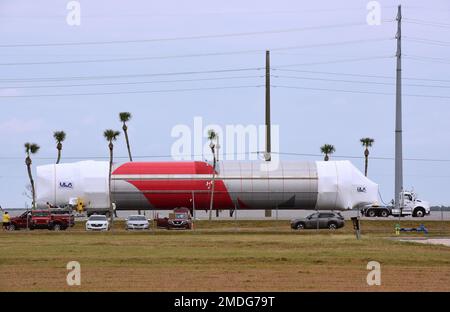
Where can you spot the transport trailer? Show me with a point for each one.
(410, 205)
(243, 185)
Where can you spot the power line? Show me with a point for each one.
(428, 59)
(126, 92)
(426, 23)
(197, 37)
(358, 81)
(357, 75)
(145, 58)
(362, 92)
(428, 41)
(336, 61)
(132, 83)
(131, 75)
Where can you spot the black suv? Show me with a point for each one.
(319, 220)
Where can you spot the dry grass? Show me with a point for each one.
(254, 255)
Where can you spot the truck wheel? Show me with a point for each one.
(371, 213)
(12, 227)
(332, 226)
(384, 213)
(56, 227)
(419, 212)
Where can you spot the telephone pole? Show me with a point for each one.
(267, 155)
(398, 114)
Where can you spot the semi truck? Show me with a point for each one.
(409, 205)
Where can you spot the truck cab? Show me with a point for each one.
(410, 205)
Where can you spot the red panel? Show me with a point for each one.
(181, 167)
(171, 197)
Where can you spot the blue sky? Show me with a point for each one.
(307, 117)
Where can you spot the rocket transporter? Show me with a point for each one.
(322, 185)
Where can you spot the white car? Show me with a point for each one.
(97, 223)
(137, 222)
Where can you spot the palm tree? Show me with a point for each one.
(59, 136)
(366, 142)
(110, 136)
(124, 118)
(327, 149)
(212, 136)
(31, 148)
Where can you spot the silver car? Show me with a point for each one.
(319, 220)
(137, 222)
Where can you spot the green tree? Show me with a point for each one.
(366, 142)
(59, 137)
(327, 149)
(110, 136)
(30, 149)
(124, 118)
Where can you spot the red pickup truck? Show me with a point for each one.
(42, 219)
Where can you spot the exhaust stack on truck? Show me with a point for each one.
(331, 185)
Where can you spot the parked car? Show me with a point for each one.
(179, 219)
(40, 219)
(321, 220)
(97, 223)
(137, 222)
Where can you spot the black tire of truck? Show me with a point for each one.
(419, 212)
(384, 213)
(12, 227)
(371, 213)
(56, 227)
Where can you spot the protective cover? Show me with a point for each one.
(342, 186)
(87, 180)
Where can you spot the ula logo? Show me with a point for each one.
(361, 189)
(66, 184)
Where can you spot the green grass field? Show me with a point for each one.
(225, 256)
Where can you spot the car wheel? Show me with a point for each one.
(56, 227)
(384, 214)
(332, 226)
(12, 227)
(300, 226)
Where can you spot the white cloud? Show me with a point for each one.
(19, 126)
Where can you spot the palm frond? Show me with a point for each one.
(124, 116)
(211, 134)
(111, 135)
(367, 142)
(327, 149)
(59, 136)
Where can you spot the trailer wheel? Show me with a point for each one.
(371, 213)
(384, 213)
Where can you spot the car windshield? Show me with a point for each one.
(97, 218)
(137, 218)
(180, 216)
(41, 213)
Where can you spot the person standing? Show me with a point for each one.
(6, 220)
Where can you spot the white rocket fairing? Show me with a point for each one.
(245, 185)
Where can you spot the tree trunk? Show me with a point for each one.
(326, 157)
(366, 164)
(111, 211)
(30, 176)
(59, 153)
(212, 190)
(125, 131)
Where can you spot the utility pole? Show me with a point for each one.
(267, 155)
(398, 114)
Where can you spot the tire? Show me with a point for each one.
(12, 227)
(384, 213)
(332, 226)
(300, 226)
(419, 212)
(371, 213)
